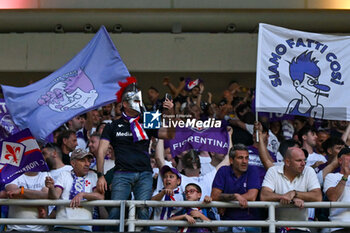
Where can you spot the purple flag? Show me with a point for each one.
(205, 139)
(20, 153)
(86, 82)
(7, 126)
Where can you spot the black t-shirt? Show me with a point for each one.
(65, 159)
(129, 155)
(241, 136)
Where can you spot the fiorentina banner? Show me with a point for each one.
(301, 73)
(205, 139)
(20, 153)
(86, 82)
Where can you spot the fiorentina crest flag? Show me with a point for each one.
(20, 153)
(205, 139)
(88, 81)
(301, 73)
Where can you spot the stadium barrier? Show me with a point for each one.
(131, 222)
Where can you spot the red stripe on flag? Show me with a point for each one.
(23, 139)
(3, 167)
(31, 151)
(140, 129)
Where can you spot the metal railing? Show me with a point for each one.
(131, 222)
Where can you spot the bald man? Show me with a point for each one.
(291, 183)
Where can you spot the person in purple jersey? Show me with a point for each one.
(237, 182)
(259, 155)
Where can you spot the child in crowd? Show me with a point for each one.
(171, 192)
(193, 192)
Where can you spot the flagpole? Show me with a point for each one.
(256, 131)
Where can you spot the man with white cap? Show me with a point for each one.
(76, 185)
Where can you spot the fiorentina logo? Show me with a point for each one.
(199, 129)
(12, 153)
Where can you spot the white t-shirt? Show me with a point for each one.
(279, 159)
(338, 214)
(82, 144)
(107, 165)
(204, 181)
(65, 182)
(280, 184)
(28, 182)
(320, 177)
(206, 166)
(55, 173)
(314, 157)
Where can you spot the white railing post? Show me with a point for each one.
(122, 216)
(132, 215)
(272, 218)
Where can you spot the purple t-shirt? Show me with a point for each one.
(227, 181)
(255, 162)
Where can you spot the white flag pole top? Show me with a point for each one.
(302, 73)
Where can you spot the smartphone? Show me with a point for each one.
(168, 96)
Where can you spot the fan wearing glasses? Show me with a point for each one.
(193, 192)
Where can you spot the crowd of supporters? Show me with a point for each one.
(289, 159)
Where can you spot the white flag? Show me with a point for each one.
(303, 73)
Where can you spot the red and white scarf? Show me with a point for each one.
(137, 131)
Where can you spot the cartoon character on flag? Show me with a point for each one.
(73, 90)
(304, 72)
(89, 80)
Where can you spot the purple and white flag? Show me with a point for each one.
(206, 139)
(7, 126)
(86, 82)
(302, 73)
(20, 153)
